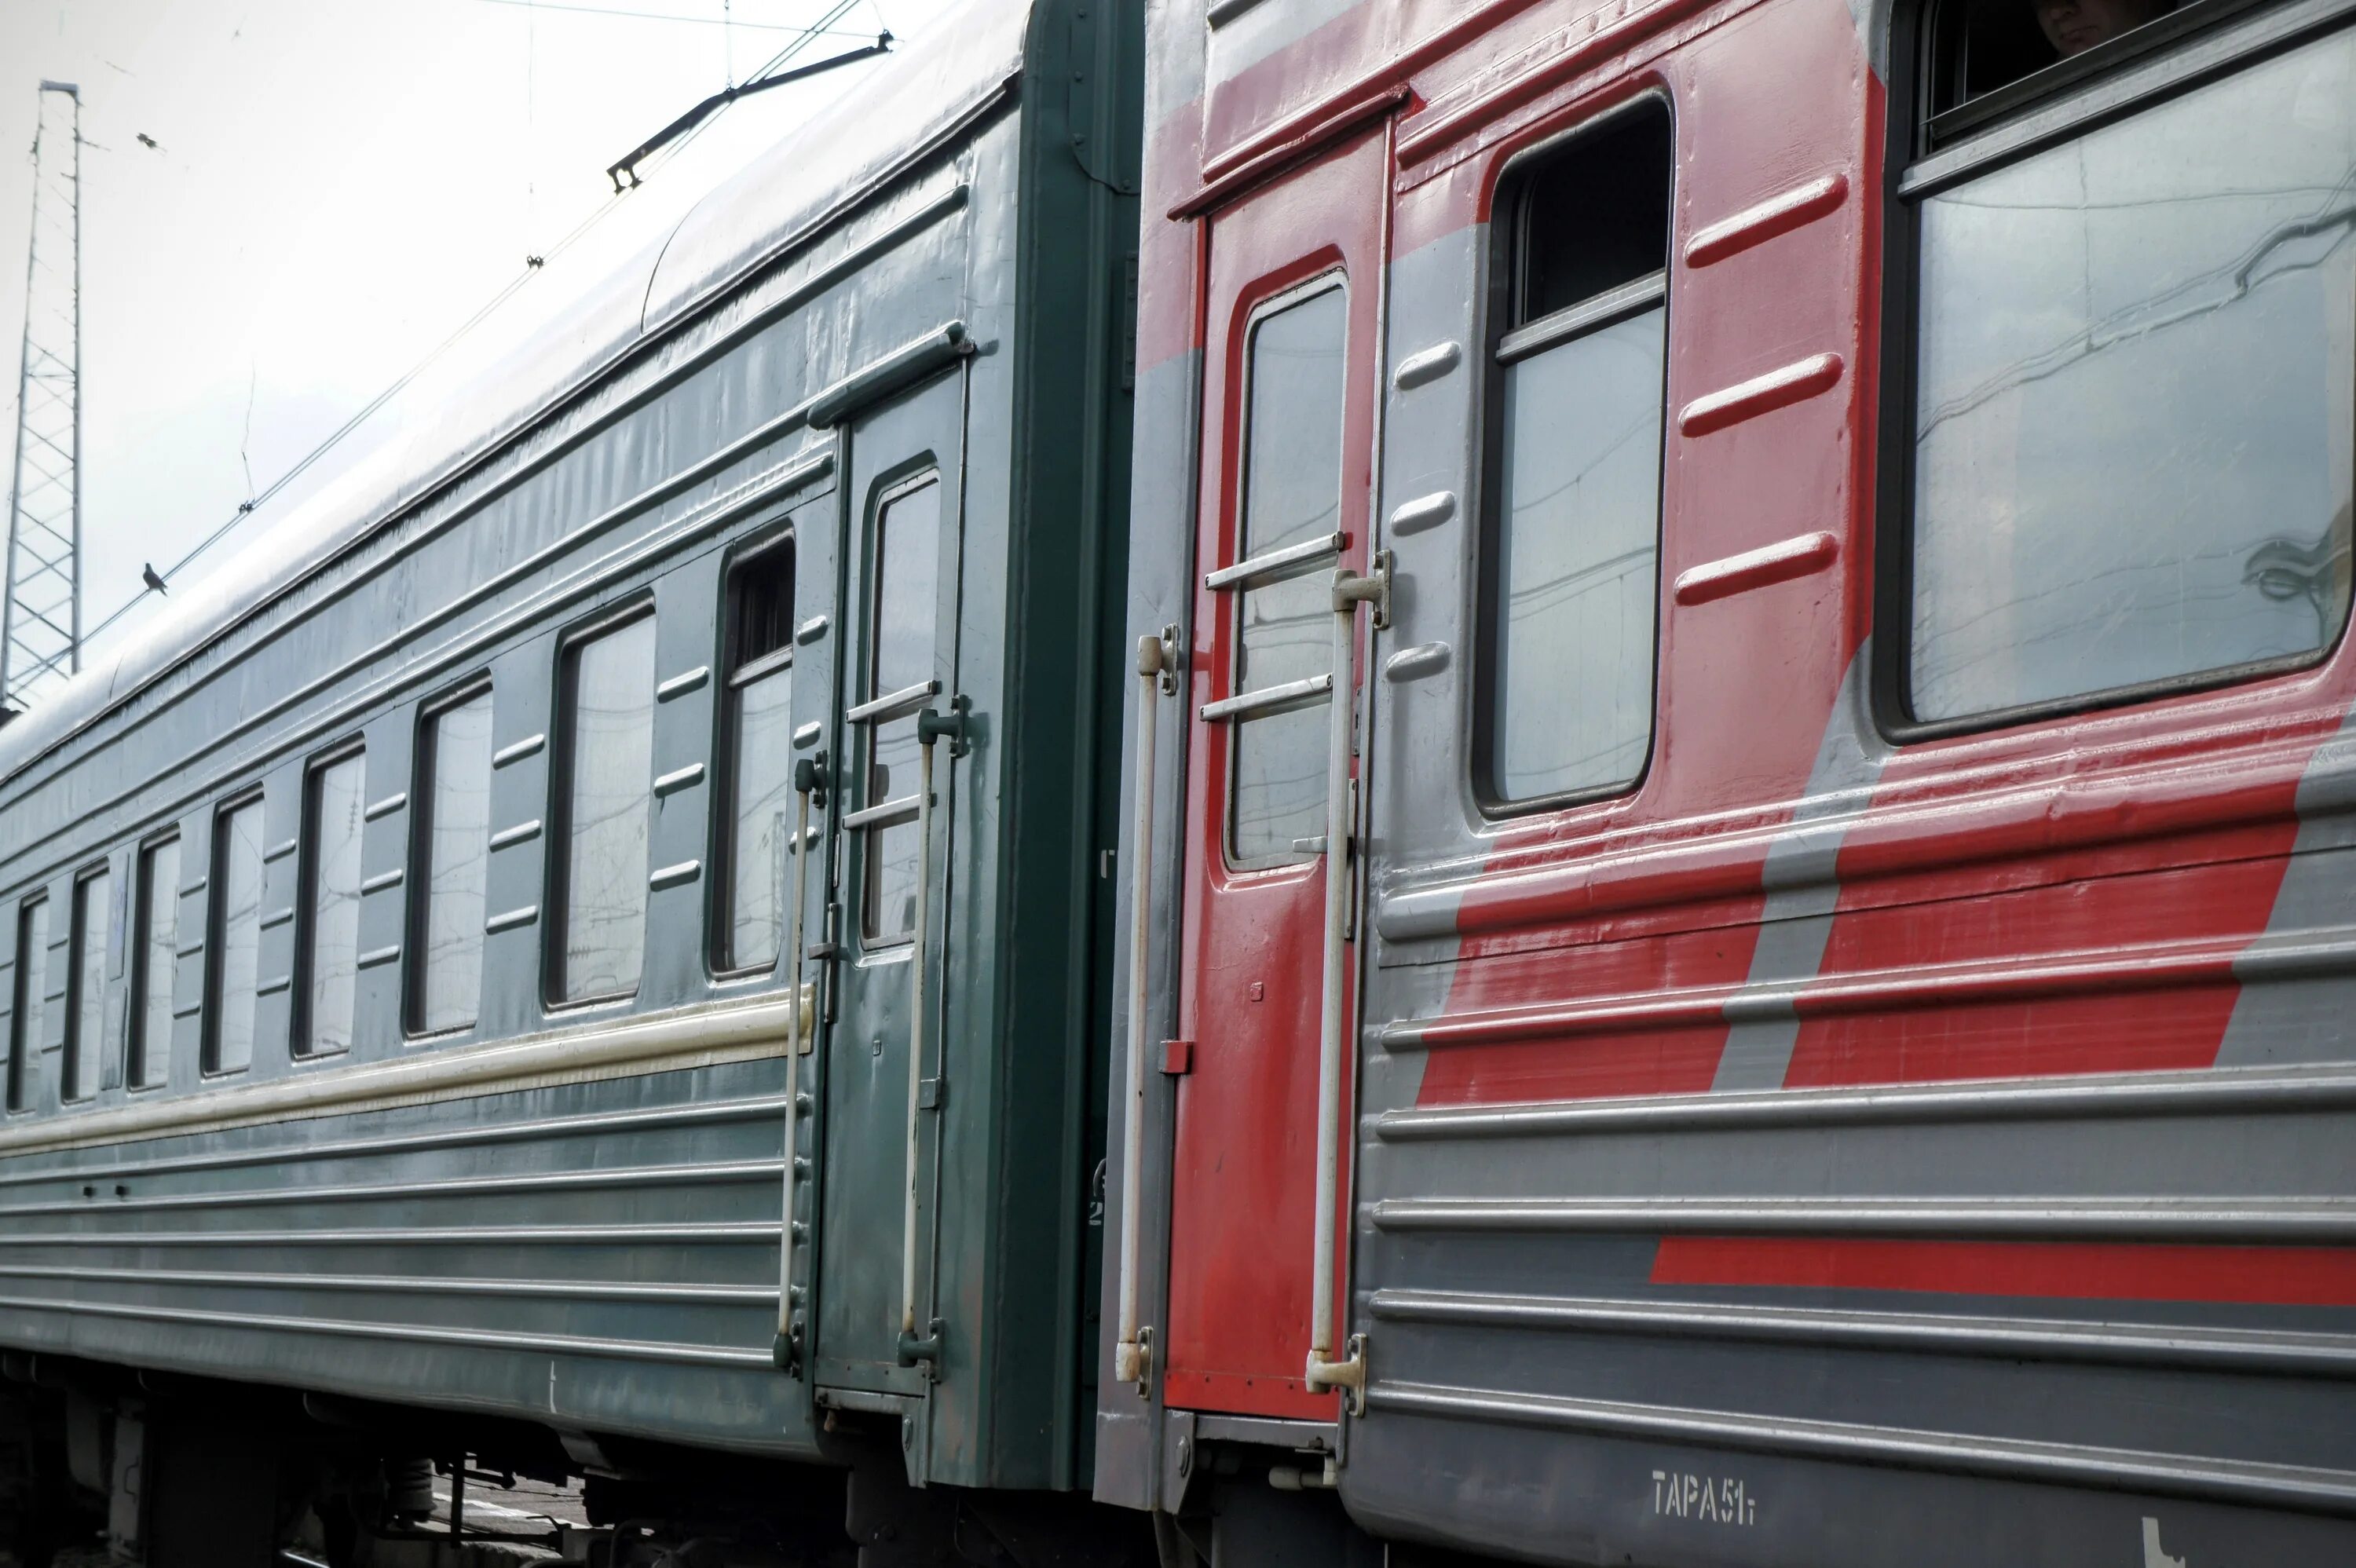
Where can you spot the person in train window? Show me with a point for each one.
(2073, 27)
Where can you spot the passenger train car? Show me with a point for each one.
(654, 807)
(1739, 743)
(1666, 879)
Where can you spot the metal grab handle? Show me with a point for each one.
(1133, 1355)
(930, 727)
(1350, 590)
(788, 1350)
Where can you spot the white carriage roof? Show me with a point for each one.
(902, 106)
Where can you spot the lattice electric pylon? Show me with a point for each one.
(41, 626)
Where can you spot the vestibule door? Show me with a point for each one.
(887, 921)
(1292, 373)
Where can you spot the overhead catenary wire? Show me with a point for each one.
(662, 17)
(533, 267)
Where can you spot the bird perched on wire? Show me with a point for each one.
(152, 578)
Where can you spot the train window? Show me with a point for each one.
(907, 590)
(1571, 564)
(2133, 407)
(1291, 494)
(330, 906)
(29, 1001)
(154, 959)
(453, 844)
(1985, 57)
(759, 712)
(236, 937)
(607, 713)
(86, 985)
(25, 1018)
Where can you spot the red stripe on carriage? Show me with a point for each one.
(2273, 1276)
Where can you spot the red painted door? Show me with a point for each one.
(1291, 327)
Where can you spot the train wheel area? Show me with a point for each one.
(102, 1466)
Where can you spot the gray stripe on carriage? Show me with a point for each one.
(446, 1187)
(696, 1232)
(2303, 1018)
(416, 1284)
(492, 1340)
(600, 1123)
(1802, 887)
(2067, 1339)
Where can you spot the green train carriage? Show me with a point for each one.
(405, 1013)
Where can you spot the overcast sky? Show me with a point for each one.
(336, 185)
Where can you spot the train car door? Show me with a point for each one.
(886, 929)
(1293, 327)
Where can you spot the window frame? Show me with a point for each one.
(27, 1014)
(2203, 42)
(137, 1047)
(217, 924)
(77, 1056)
(1333, 278)
(1501, 347)
(557, 863)
(307, 862)
(417, 873)
(749, 554)
(903, 480)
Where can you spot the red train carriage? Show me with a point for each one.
(1751, 923)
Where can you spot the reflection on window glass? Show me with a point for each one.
(1293, 494)
(86, 1008)
(26, 1017)
(1580, 512)
(2134, 409)
(907, 598)
(156, 961)
(456, 837)
(610, 722)
(237, 943)
(332, 906)
(761, 709)
(1979, 45)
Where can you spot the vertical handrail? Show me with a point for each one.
(916, 1031)
(785, 1352)
(914, 1346)
(1350, 590)
(1133, 1355)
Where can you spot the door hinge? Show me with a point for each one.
(1177, 1057)
(932, 1094)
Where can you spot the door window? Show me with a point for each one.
(907, 604)
(1284, 634)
